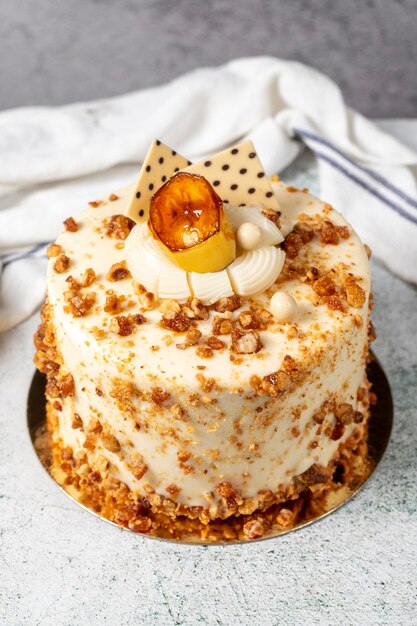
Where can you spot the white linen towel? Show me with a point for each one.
(52, 160)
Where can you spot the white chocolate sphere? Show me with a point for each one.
(283, 307)
(249, 235)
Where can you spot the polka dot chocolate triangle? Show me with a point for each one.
(160, 164)
(237, 176)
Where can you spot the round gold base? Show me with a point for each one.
(308, 511)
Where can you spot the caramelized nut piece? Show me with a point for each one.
(119, 227)
(222, 326)
(80, 305)
(71, 225)
(253, 529)
(245, 342)
(118, 271)
(124, 325)
(110, 442)
(88, 278)
(230, 303)
(53, 250)
(61, 264)
(355, 295)
(324, 286)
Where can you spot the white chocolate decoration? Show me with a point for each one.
(251, 273)
(210, 287)
(283, 307)
(271, 234)
(256, 271)
(151, 268)
(249, 236)
(159, 165)
(237, 176)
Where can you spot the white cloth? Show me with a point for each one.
(52, 160)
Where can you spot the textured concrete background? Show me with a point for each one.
(57, 51)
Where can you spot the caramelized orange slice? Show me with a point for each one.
(187, 219)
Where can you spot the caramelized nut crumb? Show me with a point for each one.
(118, 271)
(61, 264)
(71, 225)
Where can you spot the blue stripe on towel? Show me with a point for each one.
(18, 257)
(365, 186)
(380, 179)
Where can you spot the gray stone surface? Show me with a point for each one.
(56, 51)
(60, 566)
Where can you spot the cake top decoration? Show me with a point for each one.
(236, 174)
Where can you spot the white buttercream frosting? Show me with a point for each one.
(231, 432)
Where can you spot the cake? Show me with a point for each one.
(215, 384)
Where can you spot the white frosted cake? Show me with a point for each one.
(219, 379)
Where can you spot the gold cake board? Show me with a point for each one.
(379, 431)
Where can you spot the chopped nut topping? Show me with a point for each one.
(89, 277)
(118, 271)
(176, 411)
(112, 304)
(61, 264)
(215, 343)
(297, 238)
(95, 203)
(290, 366)
(228, 304)
(119, 227)
(355, 295)
(371, 332)
(113, 197)
(314, 475)
(246, 342)
(312, 273)
(169, 305)
(338, 431)
(139, 470)
(73, 284)
(194, 309)
(204, 352)
(53, 250)
(249, 320)
(276, 383)
(66, 386)
(253, 529)
(273, 216)
(226, 491)
(159, 396)
(140, 524)
(191, 339)
(173, 490)
(335, 304)
(77, 421)
(329, 233)
(183, 456)
(285, 518)
(125, 324)
(71, 225)
(222, 326)
(80, 305)
(324, 286)
(175, 321)
(147, 300)
(344, 413)
(110, 442)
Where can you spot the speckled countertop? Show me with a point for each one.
(62, 566)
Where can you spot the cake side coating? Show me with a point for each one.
(201, 427)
